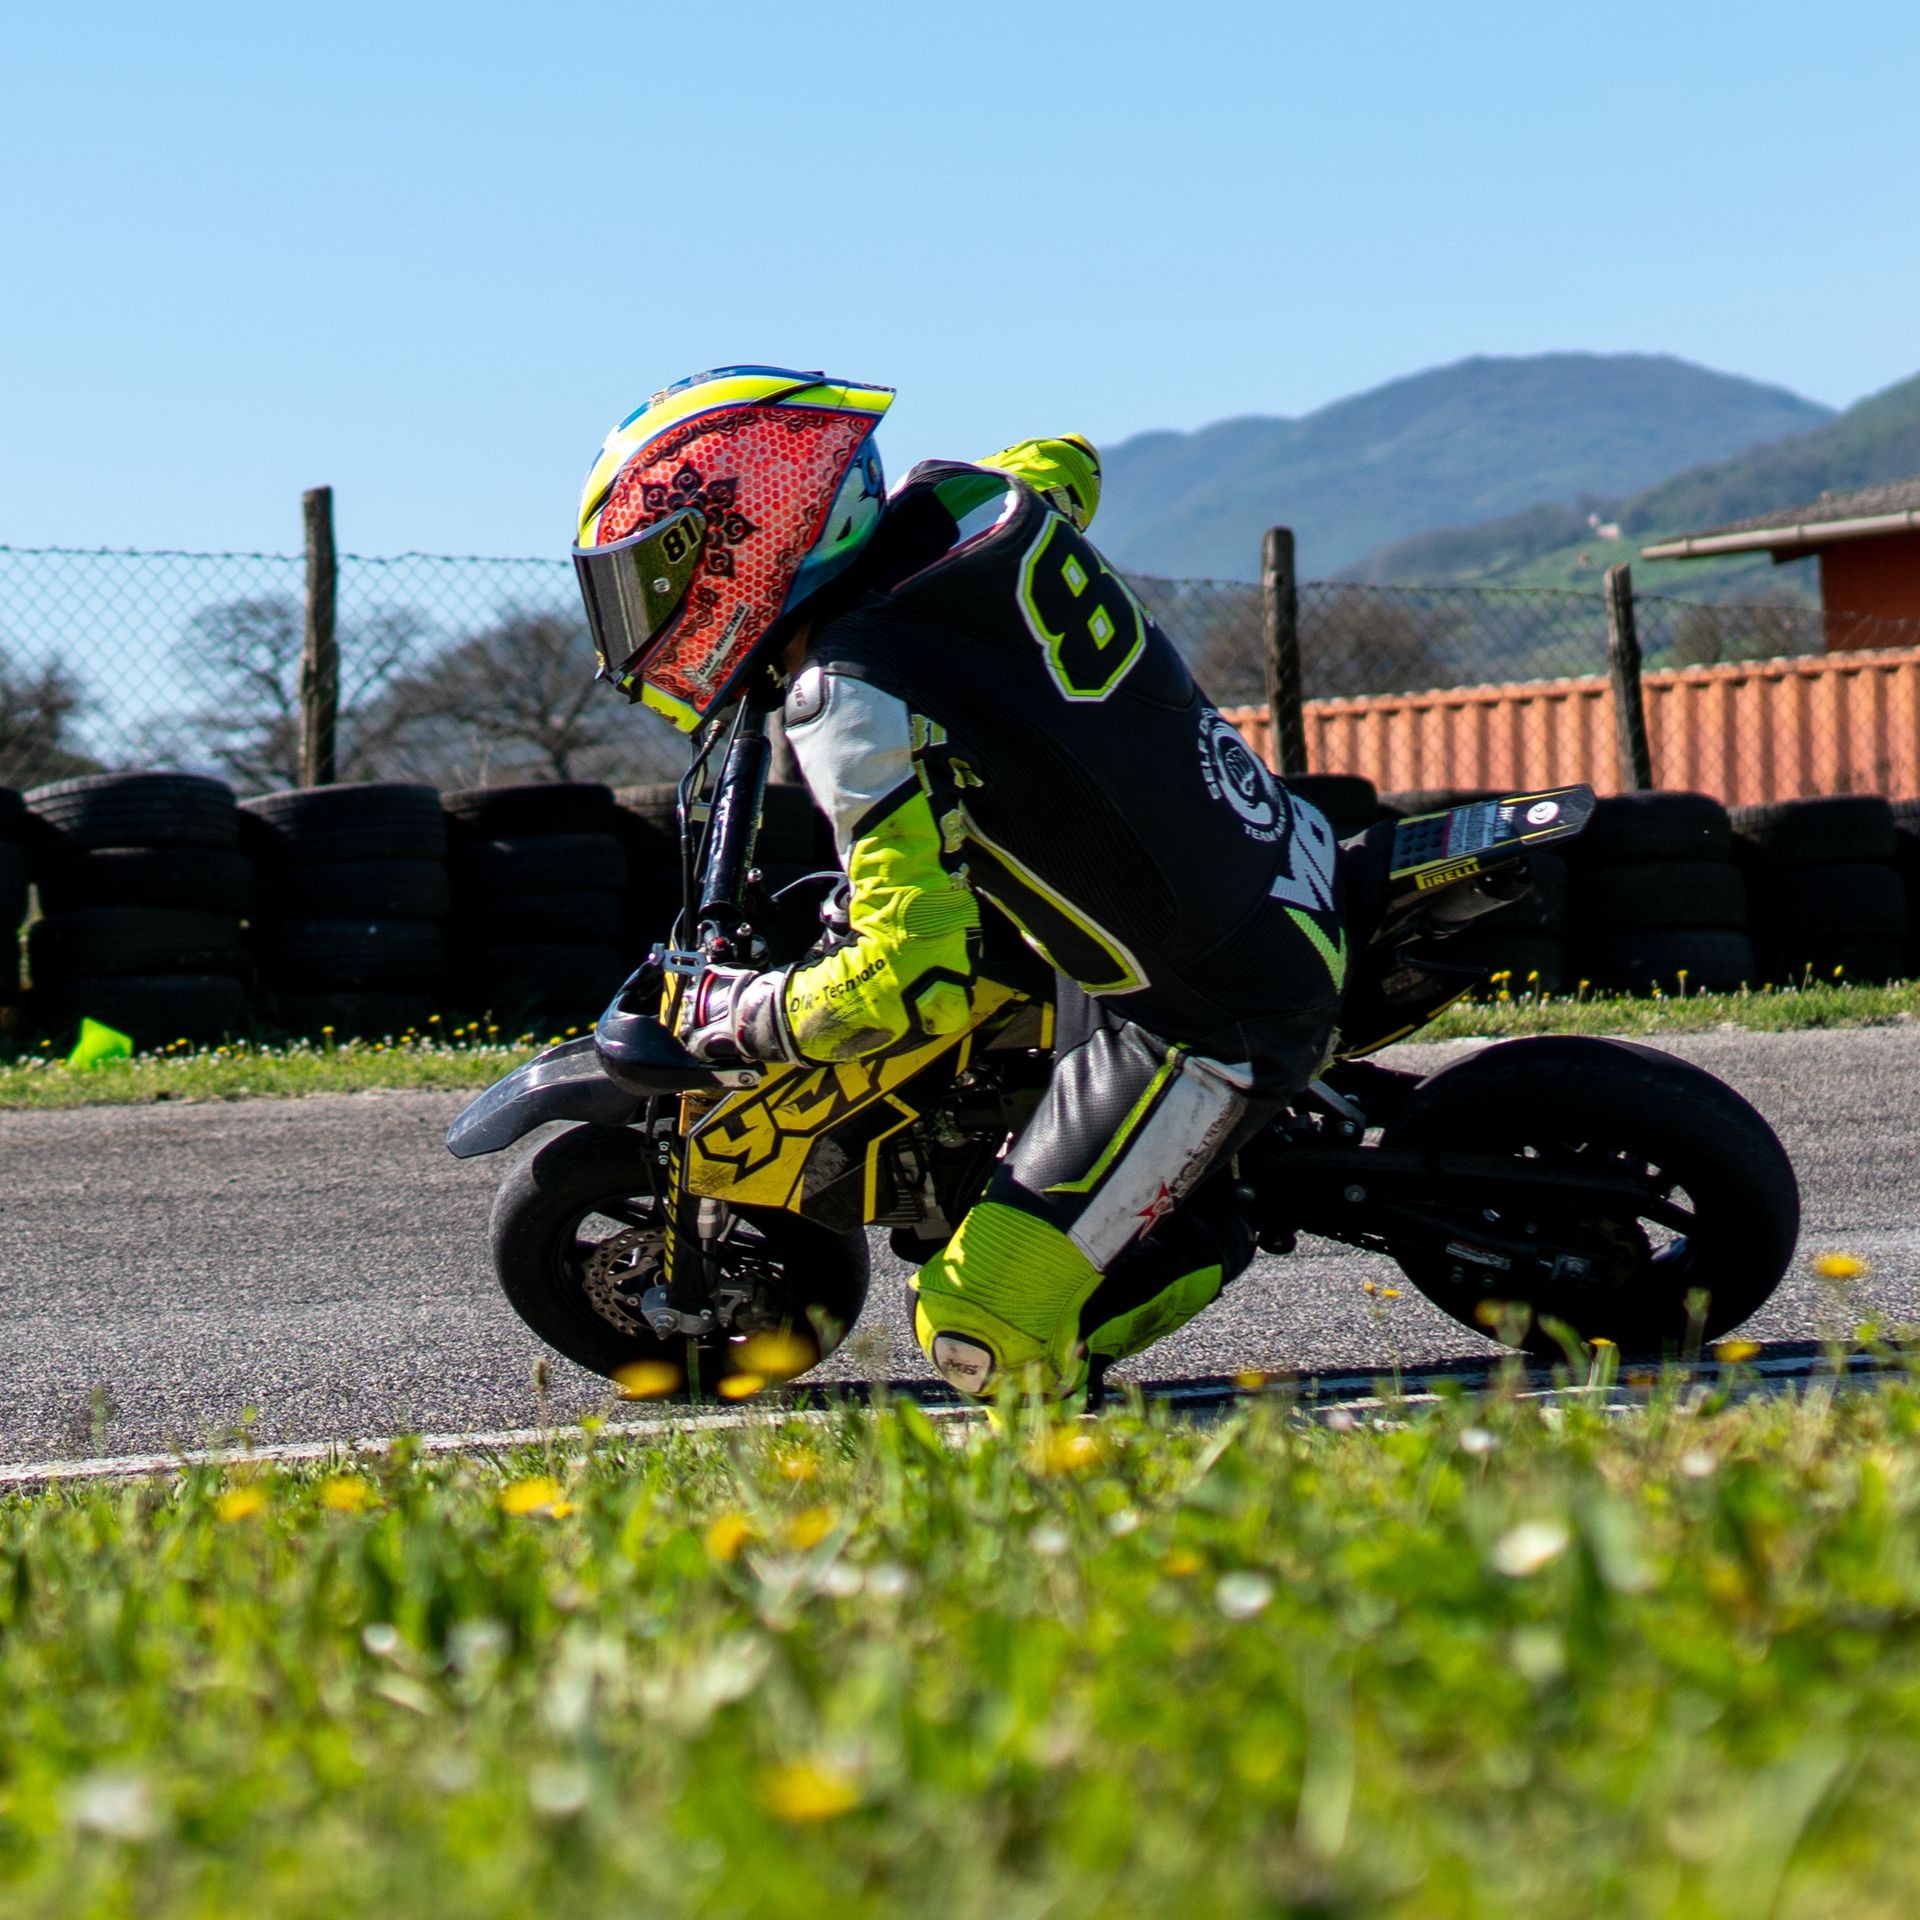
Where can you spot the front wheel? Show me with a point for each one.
(577, 1234)
(1700, 1247)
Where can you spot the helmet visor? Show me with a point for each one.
(634, 587)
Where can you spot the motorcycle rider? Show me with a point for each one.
(1003, 740)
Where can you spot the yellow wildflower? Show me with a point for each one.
(240, 1503)
(1067, 1449)
(346, 1493)
(1181, 1564)
(809, 1527)
(741, 1386)
(540, 1494)
(728, 1535)
(1728, 1352)
(1839, 1266)
(646, 1379)
(808, 1790)
(775, 1356)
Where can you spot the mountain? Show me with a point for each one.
(1877, 439)
(1456, 445)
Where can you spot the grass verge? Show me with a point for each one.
(1485, 1663)
(474, 1056)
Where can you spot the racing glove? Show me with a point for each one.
(734, 1013)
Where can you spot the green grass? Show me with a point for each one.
(476, 1056)
(1484, 1663)
(1769, 1010)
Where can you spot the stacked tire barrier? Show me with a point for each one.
(1828, 898)
(1657, 899)
(15, 874)
(540, 882)
(143, 891)
(353, 900)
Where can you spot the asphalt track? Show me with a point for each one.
(316, 1268)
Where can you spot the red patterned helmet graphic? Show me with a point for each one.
(763, 478)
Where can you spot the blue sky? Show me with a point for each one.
(429, 253)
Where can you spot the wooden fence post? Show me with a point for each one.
(320, 651)
(1280, 622)
(1623, 659)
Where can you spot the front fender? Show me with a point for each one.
(566, 1082)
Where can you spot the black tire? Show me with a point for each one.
(571, 983)
(1712, 960)
(353, 889)
(1532, 962)
(1350, 801)
(542, 1241)
(499, 813)
(349, 1016)
(111, 942)
(1841, 829)
(380, 820)
(1841, 902)
(1824, 959)
(1542, 910)
(198, 879)
(13, 815)
(653, 810)
(540, 863)
(1583, 1102)
(581, 918)
(137, 810)
(352, 955)
(1655, 826)
(1639, 894)
(152, 1011)
(13, 887)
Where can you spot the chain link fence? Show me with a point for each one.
(456, 672)
(470, 672)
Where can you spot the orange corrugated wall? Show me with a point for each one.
(1748, 733)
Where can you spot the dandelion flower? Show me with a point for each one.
(346, 1493)
(1732, 1352)
(807, 1791)
(1250, 1380)
(776, 1356)
(1067, 1450)
(741, 1386)
(809, 1527)
(1839, 1266)
(728, 1534)
(540, 1494)
(240, 1503)
(646, 1379)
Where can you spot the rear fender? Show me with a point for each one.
(566, 1082)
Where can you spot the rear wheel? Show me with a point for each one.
(577, 1234)
(1715, 1215)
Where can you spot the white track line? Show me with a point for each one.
(1328, 1398)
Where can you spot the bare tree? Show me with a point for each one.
(38, 707)
(1356, 642)
(247, 654)
(519, 701)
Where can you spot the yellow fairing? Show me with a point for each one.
(753, 1147)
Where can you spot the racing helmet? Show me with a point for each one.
(714, 510)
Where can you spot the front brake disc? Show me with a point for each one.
(618, 1273)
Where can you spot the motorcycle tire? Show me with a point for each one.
(541, 1255)
(1601, 1105)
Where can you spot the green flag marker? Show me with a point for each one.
(99, 1042)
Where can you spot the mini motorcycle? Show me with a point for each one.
(1545, 1191)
